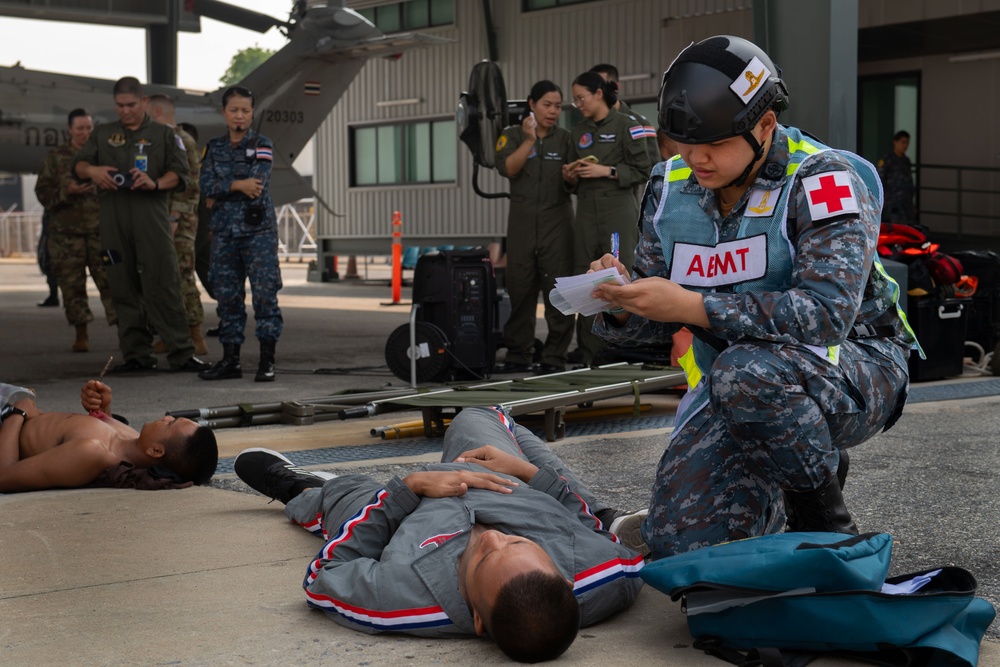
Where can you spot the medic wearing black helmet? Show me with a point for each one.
(761, 240)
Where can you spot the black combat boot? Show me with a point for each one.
(265, 369)
(228, 368)
(822, 510)
(843, 465)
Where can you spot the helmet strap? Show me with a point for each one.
(758, 153)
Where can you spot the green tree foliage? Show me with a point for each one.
(245, 61)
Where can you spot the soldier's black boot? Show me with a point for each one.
(227, 368)
(265, 369)
(822, 510)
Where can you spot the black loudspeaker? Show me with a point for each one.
(456, 294)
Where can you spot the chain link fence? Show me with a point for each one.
(20, 230)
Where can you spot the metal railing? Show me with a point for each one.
(19, 231)
(965, 195)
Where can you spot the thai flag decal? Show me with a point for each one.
(607, 572)
(264, 153)
(643, 132)
(311, 87)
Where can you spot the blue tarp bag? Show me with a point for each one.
(785, 599)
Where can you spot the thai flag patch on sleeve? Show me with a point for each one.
(642, 132)
(264, 153)
(830, 194)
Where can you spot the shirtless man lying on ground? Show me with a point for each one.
(47, 450)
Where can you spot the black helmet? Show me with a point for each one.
(710, 92)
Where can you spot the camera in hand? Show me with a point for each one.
(254, 215)
(122, 179)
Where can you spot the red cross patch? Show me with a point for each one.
(830, 194)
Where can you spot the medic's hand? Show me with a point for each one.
(446, 483)
(95, 395)
(656, 299)
(499, 461)
(608, 261)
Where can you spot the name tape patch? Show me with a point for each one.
(728, 263)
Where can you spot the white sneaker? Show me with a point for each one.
(626, 528)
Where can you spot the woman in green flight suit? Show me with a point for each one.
(539, 229)
(608, 157)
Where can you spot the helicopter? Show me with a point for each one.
(295, 89)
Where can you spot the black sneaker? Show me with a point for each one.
(271, 474)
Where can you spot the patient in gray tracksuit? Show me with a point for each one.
(437, 566)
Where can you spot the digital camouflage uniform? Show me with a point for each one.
(74, 243)
(135, 232)
(184, 210)
(605, 205)
(390, 563)
(241, 249)
(770, 412)
(896, 173)
(539, 243)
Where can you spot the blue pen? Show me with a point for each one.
(614, 244)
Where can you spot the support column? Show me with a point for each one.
(815, 43)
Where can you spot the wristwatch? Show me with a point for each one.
(614, 172)
(16, 411)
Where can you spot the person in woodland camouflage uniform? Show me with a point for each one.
(74, 243)
(763, 242)
(896, 173)
(184, 223)
(135, 162)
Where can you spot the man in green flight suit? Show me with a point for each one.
(135, 163)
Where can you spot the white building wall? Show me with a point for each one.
(637, 36)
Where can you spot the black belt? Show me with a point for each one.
(869, 331)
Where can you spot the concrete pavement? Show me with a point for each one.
(212, 576)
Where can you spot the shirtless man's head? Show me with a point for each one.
(181, 446)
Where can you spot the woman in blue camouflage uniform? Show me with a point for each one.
(762, 241)
(235, 173)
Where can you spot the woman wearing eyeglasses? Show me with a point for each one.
(607, 159)
(235, 174)
(539, 230)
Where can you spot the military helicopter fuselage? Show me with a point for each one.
(294, 91)
(35, 106)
